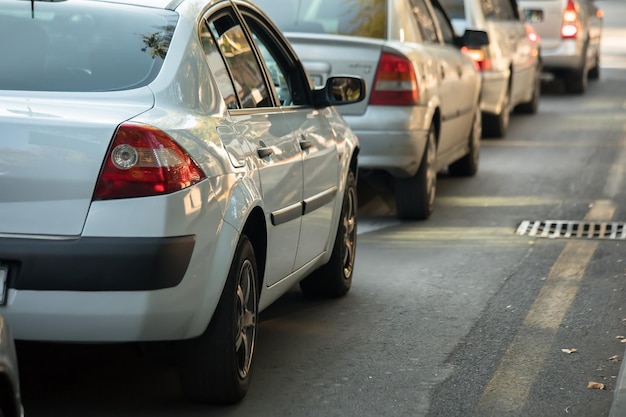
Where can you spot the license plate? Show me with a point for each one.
(4, 274)
(533, 16)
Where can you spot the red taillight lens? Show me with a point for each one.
(480, 57)
(569, 28)
(395, 83)
(145, 161)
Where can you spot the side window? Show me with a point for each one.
(218, 68)
(425, 21)
(240, 61)
(446, 28)
(289, 79)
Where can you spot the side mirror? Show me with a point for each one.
(474, 39)
(340, 90)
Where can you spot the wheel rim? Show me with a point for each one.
(349, 235)
(431, 172)
(245, 332)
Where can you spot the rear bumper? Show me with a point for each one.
(392, 138)
(566, 55)
(96, 263)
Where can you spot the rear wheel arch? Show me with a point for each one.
(256, 230)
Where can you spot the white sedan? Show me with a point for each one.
(167, 171)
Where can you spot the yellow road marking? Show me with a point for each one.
(508, 389)
(512, 201)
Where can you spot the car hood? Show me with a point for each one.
(51, 152)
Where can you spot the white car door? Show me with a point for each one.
(314, 135)
(261, 126)
(455, 94)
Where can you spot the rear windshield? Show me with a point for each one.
(366, 18)
(454, 8)
(75, 45)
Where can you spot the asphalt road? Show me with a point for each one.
(455, 316)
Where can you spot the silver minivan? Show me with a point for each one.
(510, 64)
(570, 31)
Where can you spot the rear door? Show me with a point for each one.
(258, 126)
(454, 96)
(313, 133)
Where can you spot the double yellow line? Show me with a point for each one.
(507, 391)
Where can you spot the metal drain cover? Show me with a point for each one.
(572, 229)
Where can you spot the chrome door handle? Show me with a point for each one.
(264, 150)
(305, 144)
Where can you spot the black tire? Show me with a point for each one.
(415, 196)
(467, 166)
(531, 107)
(576, 80)
(496, 125)
(335, 278)
(594, 73)
(216, 366)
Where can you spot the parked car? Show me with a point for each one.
(168, 171)
(510, 64)
(10, 397)
(571, 33)
(421, 113)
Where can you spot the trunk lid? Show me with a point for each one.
(546, 16)
(331, 55)
(51, 152)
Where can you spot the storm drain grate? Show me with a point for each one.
(572, 229)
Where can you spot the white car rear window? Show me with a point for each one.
(76, 45)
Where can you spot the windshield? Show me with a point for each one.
(343, 17)
(76, 45)
(454, 8)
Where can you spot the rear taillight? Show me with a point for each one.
(481, 57)
(145, 161)
(569, 28)
(395, 83)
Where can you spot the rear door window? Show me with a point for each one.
(81, 46)
(249, 84)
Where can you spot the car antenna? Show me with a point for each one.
(32, 8)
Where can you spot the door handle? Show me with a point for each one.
(263, 150)
(305, 144)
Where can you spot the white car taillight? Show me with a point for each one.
(145, 161)
(569, 28)
(395, 83)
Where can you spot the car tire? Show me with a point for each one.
(594, 72)
(216, 366)
(467, 166)
(415, 196)
(496, 125)
(576, 80)
(334, 279)
(531, 107)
